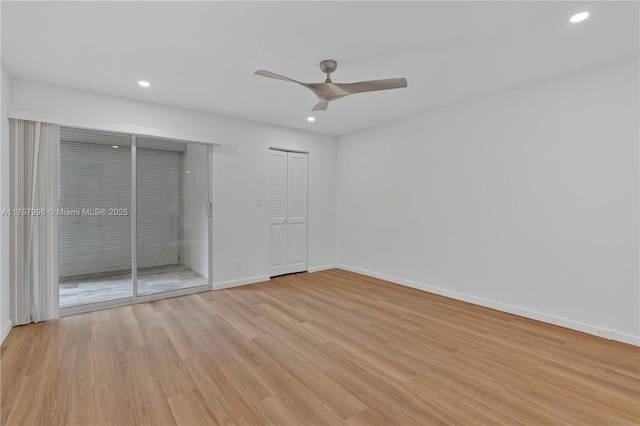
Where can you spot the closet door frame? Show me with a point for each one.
(268, 213)
(135, 298)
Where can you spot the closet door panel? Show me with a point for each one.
(278, 262)
(297, 211)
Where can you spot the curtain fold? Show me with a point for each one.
(34, 222)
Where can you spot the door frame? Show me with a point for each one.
(135, 298)
(268, 210)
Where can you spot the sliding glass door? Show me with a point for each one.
(172, 228)
(134, 218)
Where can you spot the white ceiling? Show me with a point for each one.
(202, 55)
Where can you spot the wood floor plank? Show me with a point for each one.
(327, 348)
(190, 408)
(340, 401)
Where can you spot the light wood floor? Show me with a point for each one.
(327, 348)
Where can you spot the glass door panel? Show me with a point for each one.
(95, 220)
(172, 226)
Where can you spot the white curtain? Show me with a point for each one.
(34, 224)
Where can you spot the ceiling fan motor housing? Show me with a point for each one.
(328, 66)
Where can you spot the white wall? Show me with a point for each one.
(240, 169)
(195, 218)
(5, 314)
(526, 201)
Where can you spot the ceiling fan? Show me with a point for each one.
(330, 91)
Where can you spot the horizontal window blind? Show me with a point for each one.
(158, 205)
(94, 174)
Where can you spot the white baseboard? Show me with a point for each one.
(5, 331)
(322, 268)
(505, 307)
(625, 338)
(241, 281)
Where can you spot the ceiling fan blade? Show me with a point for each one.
(274, 75)
(372, 86)
(270, 74)
(321, 106)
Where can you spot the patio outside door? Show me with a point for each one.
(138, 222)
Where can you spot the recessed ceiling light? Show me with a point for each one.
(579, 17)
(144, 83)
(311, 119)
(115, 146)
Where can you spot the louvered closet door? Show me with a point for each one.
(278, 264)
(297, 211)
(288, 214)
